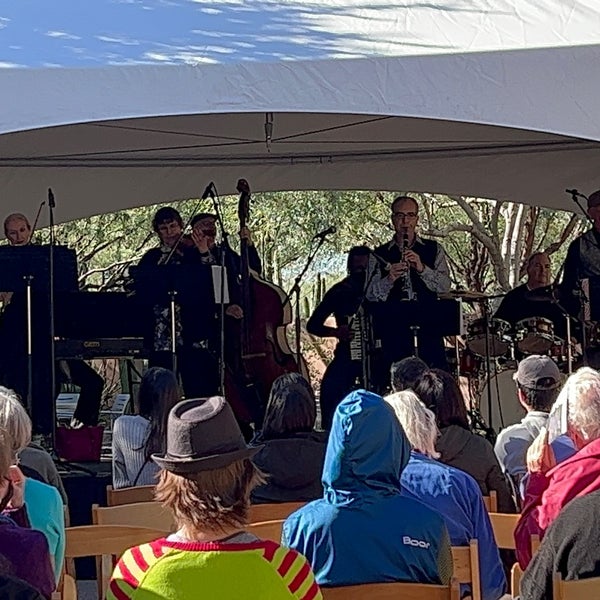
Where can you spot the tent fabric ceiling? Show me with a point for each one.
(515, 124)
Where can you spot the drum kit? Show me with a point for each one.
(486, 357)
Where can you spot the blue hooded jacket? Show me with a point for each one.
(456, 495)
(363, 530)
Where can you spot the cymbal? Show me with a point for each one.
(466, 295)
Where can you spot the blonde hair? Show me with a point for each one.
(6, 457)
(417, 421)
(210, 500)
(14, 420)
(581, 394)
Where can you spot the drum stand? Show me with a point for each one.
(488, 367)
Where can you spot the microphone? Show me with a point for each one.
(208, 191)
(572, 192)
(51, 202)
(323, 234)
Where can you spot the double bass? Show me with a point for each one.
(263, 352)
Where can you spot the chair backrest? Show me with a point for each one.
(393, 591)
(491, 501)
(139, 514)
(580, 589)
(504, 526)
(65, 406)
(129, 495)
(272, 512)
(267, 530)
(465, 562)
(106, 541)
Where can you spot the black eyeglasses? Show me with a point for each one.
(402, 215)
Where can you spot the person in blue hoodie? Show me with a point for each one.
(452, 492)
(364, 530)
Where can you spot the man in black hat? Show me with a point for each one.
(206, 479)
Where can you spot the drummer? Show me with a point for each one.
(534, 298)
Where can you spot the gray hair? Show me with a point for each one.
(417, 421)
(14, 420)
(581, 394)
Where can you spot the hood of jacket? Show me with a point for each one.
(453, 441)
(366, 452)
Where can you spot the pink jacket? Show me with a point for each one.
(547, 494)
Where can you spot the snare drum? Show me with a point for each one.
(497, 337)
(535, 335)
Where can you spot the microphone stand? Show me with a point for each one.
(51, 207)
(575, 195)
(224, 248)
(296, 290)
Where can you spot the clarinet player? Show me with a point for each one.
(403, 294)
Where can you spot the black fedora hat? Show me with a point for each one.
(202, 435)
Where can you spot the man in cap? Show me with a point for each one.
(538, 381)
(206, 479)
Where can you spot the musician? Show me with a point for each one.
(197, 327)
(18, 233)
(520, 303)
(341, 301)
(583, 260)
(17, 229)
(416, 270)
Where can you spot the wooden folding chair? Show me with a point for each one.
(465, 561)
(504, 525)
(267, 530)
(107, 542)
(393, 591)
(578, 589)
(491, 501)
(67, 589)
(140, 514)
(129, 495)
(273, 512)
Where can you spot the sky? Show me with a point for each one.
(84, 33)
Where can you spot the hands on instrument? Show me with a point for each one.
(246, 234)
(344, 333)
(234, 311)
(201, 240)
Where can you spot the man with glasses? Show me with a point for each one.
(411, 269)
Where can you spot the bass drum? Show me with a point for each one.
(504, 394)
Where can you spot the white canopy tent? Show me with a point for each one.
(508, 121)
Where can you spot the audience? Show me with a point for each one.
(364, 530)
(37, 463)
(23, 552)
(206, 479)
(136, 437)
(538, 381)
(458, 445)
(44, 505)
(292, 453)
(551, 486)
(406, 372)
(452, 492)
(570, 547)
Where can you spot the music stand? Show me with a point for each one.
(186, 285)
(26, 271)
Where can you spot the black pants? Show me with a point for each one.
(90, 385)
(197, 367)
(338, 381)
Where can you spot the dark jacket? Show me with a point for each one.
(475, 455)
(293, 467)
(570, 547)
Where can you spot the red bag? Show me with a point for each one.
(79, 445)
